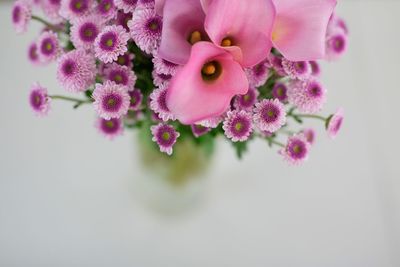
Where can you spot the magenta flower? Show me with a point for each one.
(279, 91)
(308, 97)
(110, 128)
(106, 9)
(247, 101)
(296, 150)
(111, 43)
(85, 30)
(204, 87)
(159, 105)
(128, 6)
(310, 134)
(300, 70)
(73, 9)
(269, 115)
(120, 75)
(238, 125)
(300, 28)
(48, 46)
(165, 136)
(136, 99)
(199, 130)
(39, 100)
(335, 123)
(259, 73)
(33, 55)
(21, 15)
(336, 45)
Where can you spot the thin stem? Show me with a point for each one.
(78, 102)
(312, 116)
(272, 141)
(48, 24)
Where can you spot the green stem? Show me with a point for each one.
(311, 116)
(78, 102)
(272, 141)
(48, 24)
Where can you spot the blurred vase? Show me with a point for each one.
(172, 184)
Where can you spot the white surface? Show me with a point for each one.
(68, 197)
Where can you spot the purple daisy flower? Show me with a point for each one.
(163, 66)
(39, 100)
(21, 15)
(336, 45)
(126, 60)
(136, 99)
(269, 115)
(145, 29)
(111, 100)
(310, 134)
(120, 75)
(51, 8)
(128, 6)
(247, 101)
(212, 122)
(296, 149)
(111, 43)
(146, 4)
(160, 79)
(33, 55)
(123, 19)
(276, 64)
(258, 74)
(315, 69)
(76, 71)
(165, 136)
(85, 30)
(159, 105)
(48, 46)
(308, 97)
(106, 9)
(110, 128)
(199, 130)
(279, 91)
(238, 125)
(300, 70)
(335, 123)
(73, 9)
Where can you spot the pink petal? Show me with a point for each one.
(191, 99)
(181, 18)
(159, 6)
(249, 25)
(300, 28)
(205, 4)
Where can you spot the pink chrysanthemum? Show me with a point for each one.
(160, 79)
(110, 128)
(258, 74)
(111, 100)
(212, 122)
(136, 99)
(106, 9)
(336, 45)
(39, 100)
(247, 101)
(269, 115)
(126, 60)
(315, 69)
(199, 130)
(76, 71)
(300, 70)
(74, 9)
(146, 4)
(120, 75)
(145, 29)
(159, 105)
(296, 150)
(310, 134)
(165, 136)
(85, 30)
(33, 55)
(51, 8)
(308, 97)
(238, 125)
(123, 19)
(111, 43)
(276, 64)
(128, 6)
(279, 91)
(48, 47)
(21, 15)
(163, 66)
(335, 123)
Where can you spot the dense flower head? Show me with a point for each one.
(308, 97)
(123, 19)
(335, 123)
(84, 31)
(199, 130)
(51, 8)
(163, 66)
(269, 115)
(161, 79)
(296, 150)
(125, 60)
(238, 125)
(21, 15)
(158, 104)
(136, 99)
(259, 73)
(120, 75)
(111, 100)
(110, 128)
(300, 70)
(111, 43)
(145, 29)
(39, 100)
(247, 101)
(73, 9)
(279, 91)
(336, 45)
(106, 9)
(165, 136)
(128, 6)
(76, 71)
(48, 46)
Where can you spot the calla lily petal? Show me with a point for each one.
(191, 98)
(180, 19)
(300, 28)
(244, 25)
(159, 6)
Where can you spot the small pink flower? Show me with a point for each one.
(110, 128)
(39, 100)
(85, 30)
(21, 15)
(74, 9)
(111, 43)
(159, 105)
(247, 101)
(48, 47)
(269, 115)
(300, 70)
(335, 123)
(238, 125)
(308, 97)
(33, 55)
(310, 134)
(128, 6)
(165, 136)
(120, 75)
(296, 150)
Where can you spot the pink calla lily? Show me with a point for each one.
(204, 87)
(159, 6)
(300, 28)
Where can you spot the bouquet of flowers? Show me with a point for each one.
(191, 69)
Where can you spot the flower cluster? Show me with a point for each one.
(191, 68)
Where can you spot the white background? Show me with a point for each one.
(68, 197)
